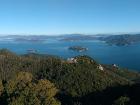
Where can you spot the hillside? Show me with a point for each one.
(118, 40)
(50, 80)
(121, 40)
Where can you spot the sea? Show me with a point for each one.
(124, 56)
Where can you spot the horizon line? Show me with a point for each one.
(70, 34)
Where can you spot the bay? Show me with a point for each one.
(124, 56)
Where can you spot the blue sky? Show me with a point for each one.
(69, 16)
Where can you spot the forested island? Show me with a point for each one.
(78, 48)
(36, 79)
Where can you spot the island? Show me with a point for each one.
(31, 51)
(78, 48)
(121, 40)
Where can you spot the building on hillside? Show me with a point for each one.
(114, 65)
(72, 60)
(100, 67)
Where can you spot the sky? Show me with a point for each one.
(51, 17)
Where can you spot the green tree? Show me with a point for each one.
(22, 90)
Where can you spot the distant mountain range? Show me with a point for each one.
(118, 40)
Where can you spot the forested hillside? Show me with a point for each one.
(35, 79)
(121, 40)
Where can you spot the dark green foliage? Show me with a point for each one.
(80, 82)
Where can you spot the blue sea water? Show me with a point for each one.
(124, 56)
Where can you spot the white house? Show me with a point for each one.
(100, 67)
